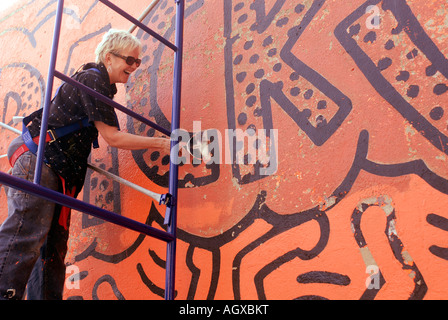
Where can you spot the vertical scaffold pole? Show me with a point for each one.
(48, 92)
(171, 212)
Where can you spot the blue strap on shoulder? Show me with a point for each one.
(54, 133)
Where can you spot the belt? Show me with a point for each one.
(23, 148)
(30, 144)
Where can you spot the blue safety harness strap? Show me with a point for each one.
(53, 134)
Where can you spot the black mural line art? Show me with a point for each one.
(71, 71)
(91, 251)
(280, 224)
(440, 223)
(109, 280)
(416, 167)
(299, 218)
(360, 163)
(407, 23)
(324, 128)
(28, 96)
(30, 34)
(151, 285)
(155, 165)
(263, 19)
(396, 245)
(320, 134)
(324, 277)
(98, 185)
(283, 223)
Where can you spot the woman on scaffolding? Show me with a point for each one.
(33, 238)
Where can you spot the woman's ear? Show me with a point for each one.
(108, 58)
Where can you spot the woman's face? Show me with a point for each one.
(117, 67)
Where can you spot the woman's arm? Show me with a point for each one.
(128, 141)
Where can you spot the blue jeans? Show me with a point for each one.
(32, 243)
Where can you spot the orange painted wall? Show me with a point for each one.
(361, 179)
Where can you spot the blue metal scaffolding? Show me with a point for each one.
(35, 189)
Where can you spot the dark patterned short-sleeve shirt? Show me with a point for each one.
(68, 155)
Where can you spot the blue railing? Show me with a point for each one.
(35, 189)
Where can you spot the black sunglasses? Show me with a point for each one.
(129, 60)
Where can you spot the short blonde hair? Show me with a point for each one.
(116, 41)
